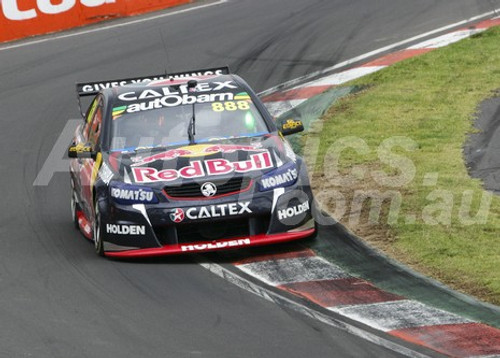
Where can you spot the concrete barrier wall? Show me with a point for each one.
(23, 18)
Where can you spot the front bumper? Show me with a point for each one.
(216, 245)
(249, 219)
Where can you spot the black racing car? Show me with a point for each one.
(189, 162)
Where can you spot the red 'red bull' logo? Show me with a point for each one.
(199, 150)
(206, 168)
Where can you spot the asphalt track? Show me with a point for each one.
(482, 149)
(58, 299)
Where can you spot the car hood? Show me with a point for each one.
(222, 159)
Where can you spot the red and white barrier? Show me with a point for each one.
(23, 18)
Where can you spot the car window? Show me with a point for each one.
(95, 126)
(169, 126)
(89, 117)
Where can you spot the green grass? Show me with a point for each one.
(431, 100)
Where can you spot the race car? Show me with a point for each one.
(182, 163)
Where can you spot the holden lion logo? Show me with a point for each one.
(177, 215)
(208, 189)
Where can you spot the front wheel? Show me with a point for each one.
(98, 244)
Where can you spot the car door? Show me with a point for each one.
(89, 166)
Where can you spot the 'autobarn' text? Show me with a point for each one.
(177, 100)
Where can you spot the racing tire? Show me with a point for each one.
(75, 207)
(98, 244)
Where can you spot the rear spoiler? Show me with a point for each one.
(85, 89)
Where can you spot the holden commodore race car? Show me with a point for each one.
(189, 162)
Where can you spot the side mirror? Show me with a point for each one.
(81, 151)
(291, 126)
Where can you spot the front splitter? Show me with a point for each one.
(215, 245)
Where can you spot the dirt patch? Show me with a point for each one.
(361, 206)
(376, 229)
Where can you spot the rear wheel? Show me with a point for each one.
(98, 244)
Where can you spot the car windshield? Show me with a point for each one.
(169, 125)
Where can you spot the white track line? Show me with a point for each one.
(446, 40)
(377, 52)
(345, 76)
(113, 26)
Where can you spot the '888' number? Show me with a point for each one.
(230, 106)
